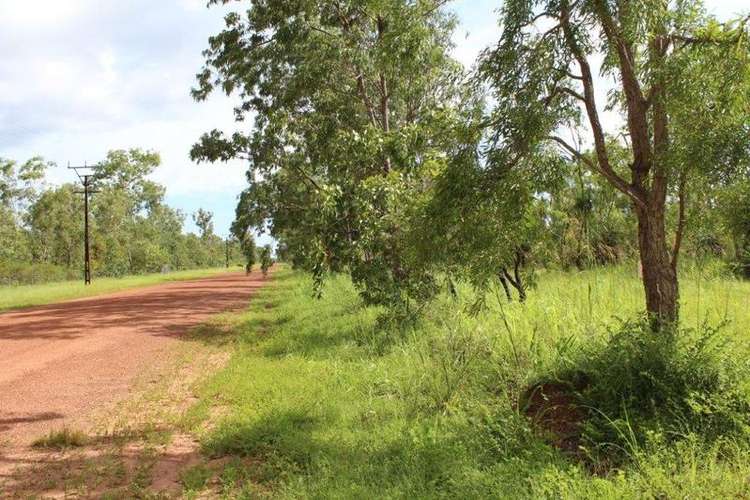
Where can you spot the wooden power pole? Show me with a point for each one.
(86, 181)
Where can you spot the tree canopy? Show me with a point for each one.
(680, 82)
(355, 106)
(373, 152)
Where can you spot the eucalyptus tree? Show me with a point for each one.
(204, 220)
(133, 229)
(480, 226)
(20, 184)
(354, 103)
(55, 226)
(247, 244)
(266, 259)
(679, 80)
(19, 187)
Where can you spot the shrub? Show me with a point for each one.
(23, 273)
(641, 387)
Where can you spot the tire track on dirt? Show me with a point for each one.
(60, 363)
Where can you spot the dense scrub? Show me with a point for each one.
(320, 400)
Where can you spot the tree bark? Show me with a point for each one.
(659, 277)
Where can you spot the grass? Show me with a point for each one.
(319, 401)
(62, 439)
(195, 478)
(16, 297)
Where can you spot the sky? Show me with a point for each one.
(81, 77)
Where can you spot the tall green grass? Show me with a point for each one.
(321, 401)
(14, 297)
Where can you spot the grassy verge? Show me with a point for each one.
(34, 295)
(319, 401)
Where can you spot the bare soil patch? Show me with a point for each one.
(555, 409)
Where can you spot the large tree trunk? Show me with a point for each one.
(659, 275)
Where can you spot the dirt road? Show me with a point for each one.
(60, 363)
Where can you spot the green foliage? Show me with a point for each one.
(204, 220)
(355, 105)
(62, 439)
(266, 259)
(681, 82)
(132, 230)
(19, 184)
(432, 412)
(195, 478)
(247, 244)
(735, 207)
(643, 389)
(371, 154)
(591, 223)
(13, 272)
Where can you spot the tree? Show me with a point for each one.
(129, 216)
(132, 229)
(248, 250)
(205, 222)
(266, 259)
(590, 222)
(680, 80)
(354, 104)
(481, 227)
(19, 187)
(56, 227)
(735, 208)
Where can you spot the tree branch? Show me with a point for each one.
(366, 99)
(637, 107)
(600, 145)
(306, 176)
(573, 93)
(617, 181)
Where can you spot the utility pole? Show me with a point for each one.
(86, 181)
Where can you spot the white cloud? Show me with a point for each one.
(38, 16)
(79, 78)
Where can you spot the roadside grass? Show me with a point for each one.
(15, 297)
(62, 439)
(319, 401)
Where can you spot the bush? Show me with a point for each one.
(12, 274)
(642, 387)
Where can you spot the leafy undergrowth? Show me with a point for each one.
(318, 400)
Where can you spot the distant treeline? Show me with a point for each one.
(133, 231)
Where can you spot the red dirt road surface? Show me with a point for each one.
(59, 363)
